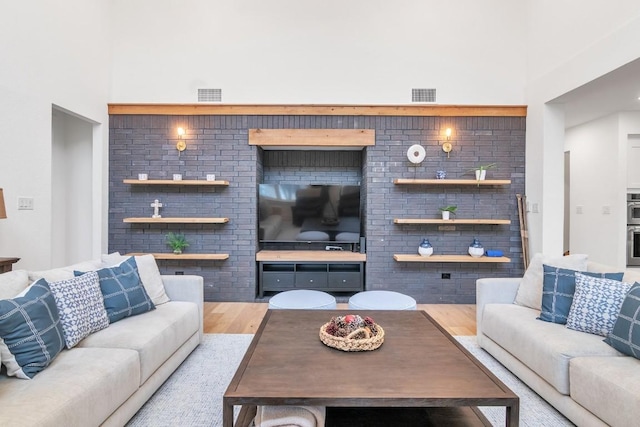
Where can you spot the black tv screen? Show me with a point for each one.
(309, 213)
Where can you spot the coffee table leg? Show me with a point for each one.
(227, 414)
(513, 415)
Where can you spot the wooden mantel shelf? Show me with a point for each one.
(320, 256)
(200, 257)
(449, 258)
(163, 220)
(452, 181)
(473, 221)
(312, 137)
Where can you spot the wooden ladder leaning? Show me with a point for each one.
(524, 232)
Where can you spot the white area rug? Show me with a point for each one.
(192, 396)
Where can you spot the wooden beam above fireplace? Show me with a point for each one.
(339, 138)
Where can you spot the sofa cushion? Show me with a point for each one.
(530, 289)
(625, 336)
(12, 283)
(81, 306)
(82, 387)
(124, 294)
(609, 387)
(544, 347)
(149, 274)
(559, 286)
(596, 304)
(31, 334)
(155, 335)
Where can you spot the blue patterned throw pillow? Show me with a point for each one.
(558, 287)
(31, 334)
(123, 292)
(81, 307)
(596, 304)
(625, 336)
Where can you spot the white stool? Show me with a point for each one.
(303, 299)
(381, 300)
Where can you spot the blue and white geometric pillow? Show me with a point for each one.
(558, 288)
(596, 304)
(123, 292)
(31, 334)
(81, 307)
(625, 336)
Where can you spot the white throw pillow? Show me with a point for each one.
(530, 289)
(12, 283)
(64, 273)
(149, 274)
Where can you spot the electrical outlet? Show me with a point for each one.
(446, 276)
(579, 209)
(606, 210)
(25, 203)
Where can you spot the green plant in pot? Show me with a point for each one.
(481, 171)
(177, 242)
(447, 211)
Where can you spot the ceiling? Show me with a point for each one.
(616, 91)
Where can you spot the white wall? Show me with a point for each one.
(599, 179)
(569, 44)
(330, 51)
(52, 53)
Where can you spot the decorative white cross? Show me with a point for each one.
(156, 205)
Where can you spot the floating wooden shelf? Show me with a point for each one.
(201, 257)
(448, 258)
(451, 221)
(172, 182)
(452, 181)
(321, 256)
(147, 220)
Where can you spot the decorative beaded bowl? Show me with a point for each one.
(362, 335)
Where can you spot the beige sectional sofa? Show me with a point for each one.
(110, 374)
(584, 378)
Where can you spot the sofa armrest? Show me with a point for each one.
(186, 288)
(500, 290)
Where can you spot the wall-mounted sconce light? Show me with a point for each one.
(182, 144)
(447, 146)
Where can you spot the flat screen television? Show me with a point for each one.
(309, 213)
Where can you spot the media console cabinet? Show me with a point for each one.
(330, 271)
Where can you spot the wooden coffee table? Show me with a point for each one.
(419, 366)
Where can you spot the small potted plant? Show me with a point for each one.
(447, 211)
(481, 171)
(177, 242)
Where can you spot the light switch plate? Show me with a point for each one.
(25, 203)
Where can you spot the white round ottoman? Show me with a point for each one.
(303, 299)
(381, 300)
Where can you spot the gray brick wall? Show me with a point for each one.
(219, 144)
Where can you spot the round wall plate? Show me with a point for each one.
(181, 145)
(446, 147)
(416, 154)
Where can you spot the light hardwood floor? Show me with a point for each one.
(244, 317)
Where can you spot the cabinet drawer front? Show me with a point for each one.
(311, 280)
(277, 280)
(344, 280)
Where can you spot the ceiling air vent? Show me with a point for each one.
(423, 95)
(209, 95)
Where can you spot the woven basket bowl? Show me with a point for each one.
(347, 344)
